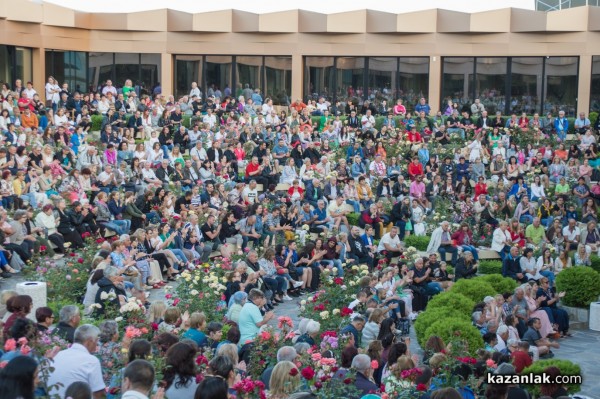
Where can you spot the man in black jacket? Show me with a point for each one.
(215, 153)
(358, 250)
(511, 266)
(164, 171)
(69, 319)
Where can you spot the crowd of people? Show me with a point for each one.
(295, 194)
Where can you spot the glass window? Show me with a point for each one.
(382, 79)
(150, 65)
(350, 78)
(248, 71)
(561, 85)
(526, 84)
(414, 80)
(23, 65)
(595, 89)
(127, 66)
(318, 76)
(188, 69)
(278, 79)
(490, 83)
(217, 73)
(100, 68)
(457, 80)
(5, 66)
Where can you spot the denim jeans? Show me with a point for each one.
(336, 263)
(433, 288)
(119, 226)
(549, 275)
(528, 219)
(547, 222)
(443, 249)
(355, 204)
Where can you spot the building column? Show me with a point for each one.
(166, 74)
(584, 84)
(435, 75)
(297, 77)
(39, 68)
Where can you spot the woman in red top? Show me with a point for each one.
(415, 169)
(295, 192)
(463, 237)
(516, 234)
(20, 306)
(523, 122)
(481, 188)
(413, 136)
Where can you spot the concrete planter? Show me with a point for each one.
(578, 317)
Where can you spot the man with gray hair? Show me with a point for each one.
(69, 319)
(502, 337)
(79, 364)
(362, 365)
(284, 354)
(138, 380)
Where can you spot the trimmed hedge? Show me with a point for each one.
(473, 289)
(490, 267)
(595, 262)
(430, 316)
(456, 330)
(419, 242)
(499, 283)
(566, 367)
(581, 284)
(97, 122)
(353, 218)
(453, 301)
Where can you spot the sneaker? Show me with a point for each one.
(297, 284)
(6, 275)
(286, 298)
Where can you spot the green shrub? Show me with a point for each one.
(451, 300)
(457, 330)
(353, 218)
(566, 367)
(97, 122)
(430, 316)
(186, 121)
(595, 262)
(490, 267)
(499, 283)
(419, 242)
(581, 284)
(473, 289)
(593, 117)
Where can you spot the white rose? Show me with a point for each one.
(303, 302)
(104, 296)
(336, 311)
(324, 314)
(118, 319)
(194, 292)
(310, 299)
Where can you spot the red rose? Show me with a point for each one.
(43, 248)
(72, 254)
(348, 381)
(346, 312)
(318, 385)
(154, 326)
(421, 387)
(294, 372)
(100, 240)
(80, 260)
(308, 373)
(338, 280)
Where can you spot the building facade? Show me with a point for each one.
(513, 60)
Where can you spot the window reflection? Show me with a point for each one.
(100, 68)
(278, 79)
(490, 83)
(318, 76)
(382, 79)
(595, 89)
(350, 77)
(217, 74)
(414, 80)
(526, 84)
(561, 85)
(457, 80)
(188, 69)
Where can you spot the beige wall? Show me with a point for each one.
(433, 33)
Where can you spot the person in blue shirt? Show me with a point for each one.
(422, 106)
(281, 151)
(561, 126)
(354, 328)
(353, 151)
(323, 222)
(197, 323)
(257, 98)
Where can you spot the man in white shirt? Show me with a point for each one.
(210, 119)
(30, 90)
(109, 88)
(195, 91)
(148, 175)
(322, 105)
(250, 193)
(390, 243)
(571, 234)
(78, 364)
(198, 152)
(138, 380)
(337, 211)
(367, 121)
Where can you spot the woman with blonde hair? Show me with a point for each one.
(282, 383)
